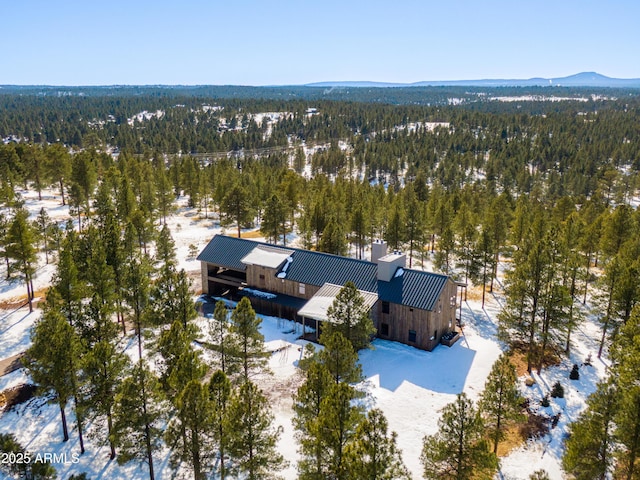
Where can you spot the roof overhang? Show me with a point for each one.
(317, 306)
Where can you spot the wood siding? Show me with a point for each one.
(271, 283)
(428, 325)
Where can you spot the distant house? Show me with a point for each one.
(409, 306)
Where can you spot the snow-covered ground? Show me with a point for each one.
(411, 386)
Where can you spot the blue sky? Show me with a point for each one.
(285, 42)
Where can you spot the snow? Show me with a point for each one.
(259, 293)
(398, 273)
(411, 386)
(144, 115)
(15, 330)
(265, 257)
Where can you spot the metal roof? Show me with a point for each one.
(316, 268)
(412, 288)
(317, 306)
(228, 252)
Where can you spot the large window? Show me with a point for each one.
(385, 307)
(301, 288)
(412, 336)
(384, 329)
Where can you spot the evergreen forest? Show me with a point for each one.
(534, 199)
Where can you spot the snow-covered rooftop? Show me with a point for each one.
(266, 257)
(317, 306)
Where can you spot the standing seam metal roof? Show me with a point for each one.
(413, 288)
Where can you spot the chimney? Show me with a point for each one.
(378, 250)
(388, 265)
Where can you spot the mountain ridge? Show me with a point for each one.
(583, 79)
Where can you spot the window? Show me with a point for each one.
(384, 329)
(301, 288)
(412, 336)
(385, 307)
(261, 276)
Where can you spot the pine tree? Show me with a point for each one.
(274, 219)
(19, 246)
(349, 315)
(237, 207)
(496, 221)
(485, 249)
(164, 194)
(500, 400)
(359, 228)
(626, 361)
(219, 393)
(395, 229)
(333, 239)
(373, 454)
(84, 177)
(104, 366)
(34, 161)
(138, 417)
(335, 427)
(466, 234)
(58, 165)
(219, 336)
(165, 255)
(188, 366)
(43, 222)
(4, 230)
(590, 448)
(68, 290)
(247, 343)
(458, 450)
(189, 433)
(252, 438)
(340, 359)
(52, 359)
(415, 221)
(306, 406)
(172, 344)
(101, 287)
(137, 278)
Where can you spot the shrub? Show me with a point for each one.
(536, 426)
(575, 373)
(557, 391)
(539, 475)
(545, 401)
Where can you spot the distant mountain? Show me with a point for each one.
(584, 79)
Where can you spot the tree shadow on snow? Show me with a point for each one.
(443, 370)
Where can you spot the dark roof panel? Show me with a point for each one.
(315, 268)
(227, 252)
(413, 288)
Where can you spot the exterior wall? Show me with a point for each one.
(204, 277)
(429, 326)
(445, 311)
(271, 283)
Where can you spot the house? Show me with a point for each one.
(409, 306)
